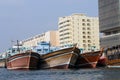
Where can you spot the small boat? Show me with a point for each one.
(113, 56)
(23, 61)
(2, 63)
(88, 59)
(102, 61)
(60, 59)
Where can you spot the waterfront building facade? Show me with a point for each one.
(80, 29)
(109, 21)
(51, 36)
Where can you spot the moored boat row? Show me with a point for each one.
(61, 59)
(45, 57)
(67, 58)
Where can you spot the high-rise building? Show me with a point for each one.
(50, 36)
(109, 17)
(80, 29)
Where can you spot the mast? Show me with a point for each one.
(18, 49)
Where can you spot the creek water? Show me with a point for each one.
(59, 74)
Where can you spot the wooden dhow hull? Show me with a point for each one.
(25, 61)
(88, 60)
(61, 59)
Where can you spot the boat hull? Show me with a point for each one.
(25, 61)
(62, 59)
(102, 62)
(2, 63)
(88, 60)
(114, 62)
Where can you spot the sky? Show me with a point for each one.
(21, 19)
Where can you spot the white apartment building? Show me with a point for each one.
(80, 29)
(50, 36)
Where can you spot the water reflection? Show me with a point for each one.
(81, 74)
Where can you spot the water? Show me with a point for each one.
(81, 74)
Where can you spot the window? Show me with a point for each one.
(89, 41)
(61, 34)
(83, 32)
(39, 50)
(89, 45)
(88, 24)
(83, 24)
(68, 21)
(61, 38)
(88, 28)
(66, 33)
(84, 45)
(83, 28)
(93, 43)
(84, 41)
(88, 32)
(89, 37)
(66, 37)
(84, 37)
(61, 30)
(83, 20)
(88, 20)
